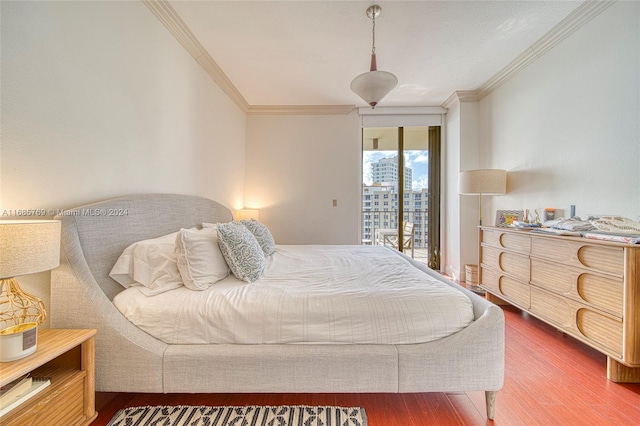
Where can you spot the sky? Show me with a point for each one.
(416, 160)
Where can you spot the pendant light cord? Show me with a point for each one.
(373, 47)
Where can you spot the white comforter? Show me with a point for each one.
(309, 294)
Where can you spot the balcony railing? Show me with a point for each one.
(372, 220)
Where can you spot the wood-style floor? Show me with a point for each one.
(550, 379)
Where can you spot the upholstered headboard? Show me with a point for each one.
(101, 231)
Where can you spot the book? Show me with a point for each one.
(37, 385)
(17, 387)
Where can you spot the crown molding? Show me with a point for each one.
(401, 110)
(575, 20)
(460, 96)
(301, 109)
(177, 27)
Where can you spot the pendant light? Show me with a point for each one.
(374, 85)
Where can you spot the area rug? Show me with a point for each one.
(284, 415)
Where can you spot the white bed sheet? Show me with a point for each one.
(309, 294)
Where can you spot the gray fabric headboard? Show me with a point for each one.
(106, 228)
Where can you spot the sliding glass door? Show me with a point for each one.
(399, 189)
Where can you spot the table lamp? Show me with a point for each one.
(247, 214)
(26, 247)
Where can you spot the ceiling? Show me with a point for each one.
(307, 52)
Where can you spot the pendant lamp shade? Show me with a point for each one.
(374, 85)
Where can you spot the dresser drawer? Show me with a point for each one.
(596, 328)
(607, 259)
(506, 287)
(510, 263)
(602, 292)
(515, 241)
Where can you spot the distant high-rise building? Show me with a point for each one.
(385, 172)
(380, 211)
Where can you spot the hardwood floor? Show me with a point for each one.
(550, 379)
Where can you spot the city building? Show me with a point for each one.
(385, 172)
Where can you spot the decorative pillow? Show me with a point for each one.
(149, 265)
(199, 258)
(262, 234)
(241, 250)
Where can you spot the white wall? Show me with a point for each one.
(451, 242)
(296, 166)
(99, 100)
(461, 211)
(567, 128)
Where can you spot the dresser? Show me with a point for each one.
(589, 289)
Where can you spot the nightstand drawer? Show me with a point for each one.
(59, 404)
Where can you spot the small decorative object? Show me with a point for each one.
(549, 213)
(505, 218)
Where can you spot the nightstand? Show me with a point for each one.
(68, 358)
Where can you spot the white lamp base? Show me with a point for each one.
(18, 341)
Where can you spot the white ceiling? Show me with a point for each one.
(307, 52)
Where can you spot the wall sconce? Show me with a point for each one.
(247, 214)
(26, 247)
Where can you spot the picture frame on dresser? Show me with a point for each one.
(505, 218)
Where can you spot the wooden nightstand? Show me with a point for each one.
(68, 358)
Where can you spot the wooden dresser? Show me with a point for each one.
(589, 289)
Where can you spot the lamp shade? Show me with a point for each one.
(372, 86)
(28, 246)
(247, 214)
(484, 181)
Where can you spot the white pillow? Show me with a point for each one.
(262, 234)
(149, 265)
(241, 250)
(200, 260)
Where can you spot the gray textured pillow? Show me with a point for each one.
(241, 250)
(262, 234)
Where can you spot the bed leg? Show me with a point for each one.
(490, 398)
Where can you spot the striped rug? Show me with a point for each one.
(283, 415)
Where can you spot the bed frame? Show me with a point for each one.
(130, 360)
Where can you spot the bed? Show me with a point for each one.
(130, 359)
